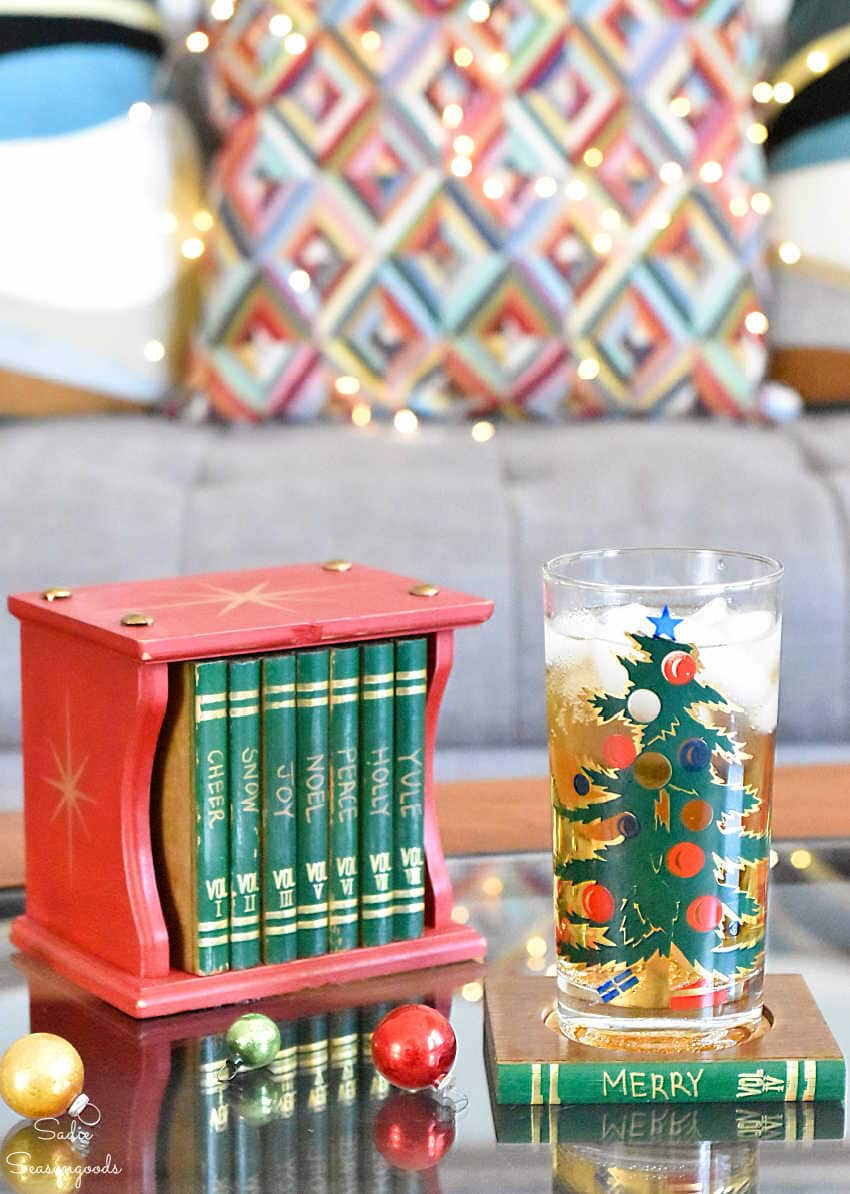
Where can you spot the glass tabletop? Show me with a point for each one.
(338, 1127)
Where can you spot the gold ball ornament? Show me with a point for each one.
(40, 1166)
(41, 1074)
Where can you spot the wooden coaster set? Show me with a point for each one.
(97, 665)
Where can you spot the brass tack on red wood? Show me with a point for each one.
(137, 620)
(424, 591)
(56, 594)
(337, 565)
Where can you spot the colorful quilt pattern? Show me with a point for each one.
(531, 207)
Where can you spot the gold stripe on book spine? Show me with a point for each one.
(378, 678)
(810, 1073)
(792, 1073)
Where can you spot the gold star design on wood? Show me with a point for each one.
(66, 782)
(259, 595)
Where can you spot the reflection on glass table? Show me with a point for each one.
(322, 1120)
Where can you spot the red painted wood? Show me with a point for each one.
(261, 609)
(180, 992)
(94, 695)
(438, 893)
(90, 724)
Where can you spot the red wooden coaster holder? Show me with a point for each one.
(94, 672)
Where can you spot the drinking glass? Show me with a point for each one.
(662, 683)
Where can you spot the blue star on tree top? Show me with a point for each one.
(665, 625)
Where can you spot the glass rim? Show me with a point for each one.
(774, 570)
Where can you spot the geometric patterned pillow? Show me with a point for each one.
(517, 206)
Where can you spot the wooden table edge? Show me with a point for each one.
(498, 816)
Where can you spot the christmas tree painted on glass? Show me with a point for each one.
(660, 879)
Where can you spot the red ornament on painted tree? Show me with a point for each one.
(679, 667)
(705, 913)
(597, 903)
(414, 1047)
(413, 1132)
(619, 750)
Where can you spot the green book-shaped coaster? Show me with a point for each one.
(279, 809)
(243, 715)
(411, 687)
(795, 1058)
(376, 761)
(311, 794)
(344, 798)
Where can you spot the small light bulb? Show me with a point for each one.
(405, 422)
(817, 62)
(535, 947)
(602, 243)
(545, 186)
(593, 157)
(361, 414)
(680, 106)
(498, 63)
(757, 133)
(761, 203)
(739, 206)
(492, 885)
(460, 914)
(588, 369)
(295, 43)
(464, 145)
(472, 992)
(139, 113)
(801, 860)
(192, 248)
(661, 220)
(347, 385)
(756, 323)
(299, 280)
(763, 92)
(280, 24)
(774, 858)
(222, 10)
(479, 11)
(203, 220)
(483, 431)
(463, 57)
(783, 92)
(610, 219)
(493, 188)
(670, 173)
(197, 42)
(711, 171)
(789, 252)
(461, 167)
(371, 41)
(452, 115)
(576, 189)
(154, 351)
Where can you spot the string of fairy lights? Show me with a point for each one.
(766, 95)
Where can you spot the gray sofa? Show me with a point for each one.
(104, 498)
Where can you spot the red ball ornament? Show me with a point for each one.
(413, 1132)
(414, 1047)
(705, 913)
(597, 903)
(619, 750)
(679, 667)
(685, 860)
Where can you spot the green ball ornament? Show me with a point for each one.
(252, 1041)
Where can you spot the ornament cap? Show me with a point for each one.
(337, 566)
(424, 590)
(137, 620)
(55, 594)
